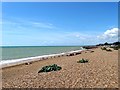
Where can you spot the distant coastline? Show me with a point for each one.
(49, 46)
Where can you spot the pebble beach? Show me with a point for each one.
(101, 71)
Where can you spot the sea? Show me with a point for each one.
(17, 52)
(15, 55)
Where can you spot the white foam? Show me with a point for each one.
(7, 63)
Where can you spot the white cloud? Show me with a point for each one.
(110, 35)
(81, 37)
(18, 26)
(42, 25)
(77, 35)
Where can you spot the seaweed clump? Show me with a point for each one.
(82, 61)
(53, 67)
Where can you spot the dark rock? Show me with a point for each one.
(89, 47)
(77, 53)
(28, 63)
(91, 51)
(71, 54)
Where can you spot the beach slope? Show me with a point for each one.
(101, 71)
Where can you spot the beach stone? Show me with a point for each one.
(77, 53)
(71, 54)
(91, 51)
(28, 63)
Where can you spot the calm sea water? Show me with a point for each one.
(17, 52)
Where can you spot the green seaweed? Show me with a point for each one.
(82, 61)
(53, 67)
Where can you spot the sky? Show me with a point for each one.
(59, 23)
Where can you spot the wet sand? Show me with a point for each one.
(100, 72)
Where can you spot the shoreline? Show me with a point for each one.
(14, 62)
(100, 71)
